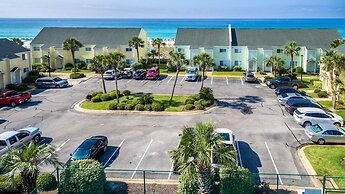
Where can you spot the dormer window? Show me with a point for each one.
(128, 49)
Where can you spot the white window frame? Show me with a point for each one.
(88, 49)
(238, 63)
(222, 50)
(237, 50)
(36, 48)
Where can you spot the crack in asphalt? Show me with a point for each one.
(292, 133)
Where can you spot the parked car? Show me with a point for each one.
(127, 73)
(110, 74)
(228, 140)
(292, 105)
(284, 81)
(18, 139)
(282, 90)
(325, 133)
(139, 74)
(312, 116)
(12, 98)
(153, 73)
(249, 77)
(191, 74)
(90, 148)
(51, 82)
(283, 98)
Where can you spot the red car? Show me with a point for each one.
(152, 73)
(11, 97)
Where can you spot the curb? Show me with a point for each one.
(147, 181)
(134, 112)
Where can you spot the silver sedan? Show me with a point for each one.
(325, 133)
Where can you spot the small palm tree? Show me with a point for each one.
(177, 60)
(159, 43)
(115, 60)
(99, 64)
(276, 63)
(153, 53)
(194, 152)
(336, 43)
(18, 41)
(72, 44)
(204, 61)
(136, 43)
(291, 48)
(27, 163)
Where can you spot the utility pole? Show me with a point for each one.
(48, 58)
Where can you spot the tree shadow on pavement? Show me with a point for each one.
(248, 158)
(241, 103)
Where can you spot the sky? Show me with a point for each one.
(172, 9)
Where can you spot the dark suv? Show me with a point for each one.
(291, 106)
(284, 90)
(90, 148)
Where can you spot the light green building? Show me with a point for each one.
(249, 48)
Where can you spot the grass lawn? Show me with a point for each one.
(177, 103)
(326, 160)
(228, 73)
(312, 95)
(327, 104)
(70, 71)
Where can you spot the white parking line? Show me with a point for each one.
(143, 80)
(170, 79)
(242, 81)
(211, 80)
(274, 164)
(172, 165)
(129, 81)
(182, 80)
(157, 79)
(57, 149)
(227, 81)
(118, 147)
(239, 154)
(142, 157)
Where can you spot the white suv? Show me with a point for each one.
(312, 116)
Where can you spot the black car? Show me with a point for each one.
(291, 106)
(90, 148)
(139, 74)
(284, 90)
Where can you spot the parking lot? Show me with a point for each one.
(266, 139)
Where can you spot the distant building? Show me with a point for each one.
(95, 41)
(14, 63)
(249, 48)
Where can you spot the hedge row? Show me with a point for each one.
(199, 101)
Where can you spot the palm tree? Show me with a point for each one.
(178, 60)
(194, 152)
(276, 63)
(73, 45)
(27, 162)
(336, 43)
(153, 53)
(205, 61)
(159, 43)
(18, 41)
(291, 48)
(136, 43)
(99, 64)
(115, 59)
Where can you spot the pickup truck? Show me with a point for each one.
(11, 97)
(284, 81)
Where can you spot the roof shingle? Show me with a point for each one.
(8, 49)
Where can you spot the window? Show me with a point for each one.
(237, 50)
(87, 61)
(76, 60)
(2, 144)
(87, 49)
(22, 135)
(222, 50)
(238, 63)
(221, 63)
(37, 60)
(23, 56)
(128, 49)
(337, 132)
(12, 140)
(294, 63)
(279, 50)
(129, 61)
(37, 48)
(25, 69)
(180, 50)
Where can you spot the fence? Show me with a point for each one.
(153, 181)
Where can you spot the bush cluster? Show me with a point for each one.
(7, 187)
(76, 75)
(46, 182)
(68, 66)
(81, 65)
(156, 106)
(112, 106)
(205, 98)
(239, 181)
(126, 92)
(317, 90)
(17, 87)
(237, 68)
(140, 107)
(322, 94)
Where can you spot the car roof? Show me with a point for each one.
(88, 143)
(310, 110)
(46, 78)
(225, 130)
(326, 127)
(7, 134)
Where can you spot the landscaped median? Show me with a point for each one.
(146, 103)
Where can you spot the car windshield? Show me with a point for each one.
(108, 72)
(250, 75)
(2, 144)
(225, 136)
(11, 93)
(316, 128)
(152, 71)
(284, 95)
(298, 112)
(81, 154)
(57, 79)
(191, 71)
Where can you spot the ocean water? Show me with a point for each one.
(163, 28)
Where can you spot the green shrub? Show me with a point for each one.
(139, 107)
(30, 79)
(81, 65)
(146, 99)
(322, 94)
(126, 92)
(267, 78)
(262, 72)
(189, 107)
(147, 107)
(7, 187)
(189, 101)
(237, 68)
(317, 90)
(96, 98)
(195, 97)
(34, 73)
(105, 97)
(223, 68)
(68, 66)
(156, 106)
(112, 106)
(83, 176)
(46, 182)
(76, 75)
(206, 94)
(88, 97)
(136, 66)
(121, 106)
(96, 93)
(36, 66)
(239, 181)
(199, 107)
(129, 106)
(317, 84)
(313, 80)
(17, 87)
(207, 103)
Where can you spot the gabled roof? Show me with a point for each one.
(8, 49)
(202, 37)
(101, 37)
(267, 37)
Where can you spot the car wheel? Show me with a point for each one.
(273, 86)
(307, 123)
(337, 124)
(57, 86)
(295, 87)
(36, 139)
(105, 149)
(13, 103)
(321, 141)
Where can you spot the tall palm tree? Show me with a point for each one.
(159, 43)
(115, 59)
(100, 65)
(72, 44)
(336, 43)
(18, 41)
(153, 53)
(291, 48)
(27, 163)
(178, 60)
(204, 60)
(136, 43)
(276, 63)
(194, 152)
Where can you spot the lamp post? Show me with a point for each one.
(48, 58)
